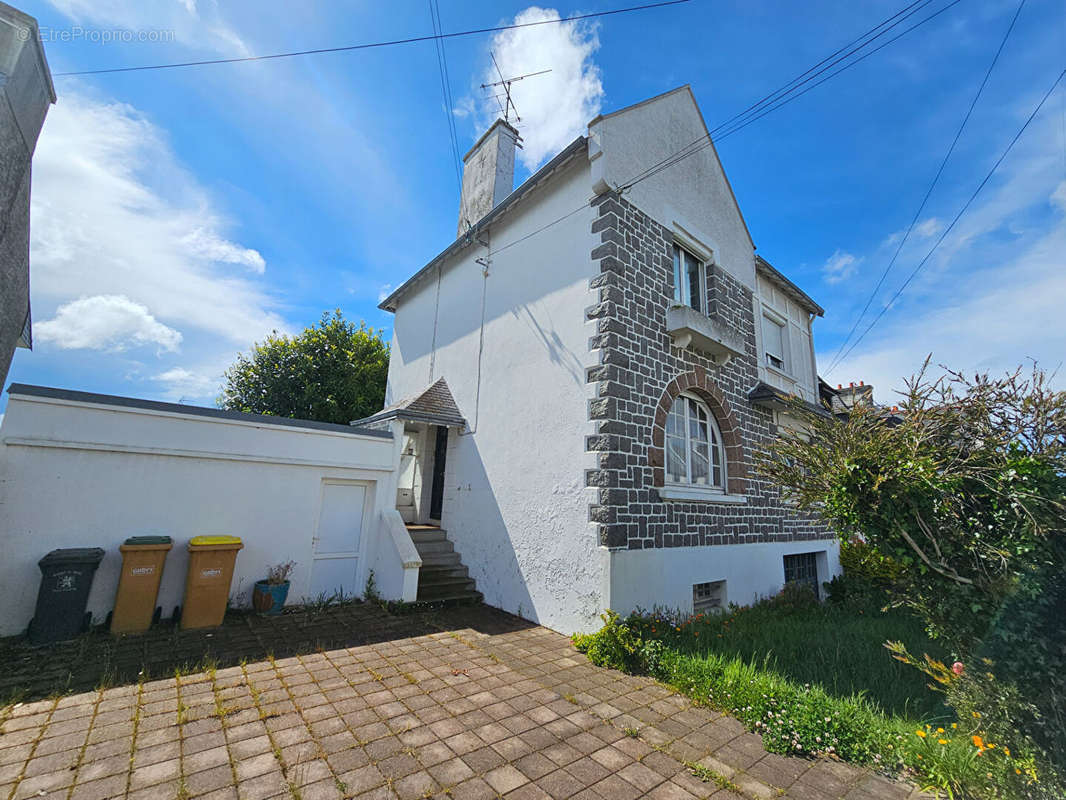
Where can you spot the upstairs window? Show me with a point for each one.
(690, 286)
(773, 342)
(694, 452)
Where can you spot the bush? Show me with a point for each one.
(614, 646)
(1023, 658)
(866, 575)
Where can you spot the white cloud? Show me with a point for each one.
(840, 266)
(384, 292)
(184, 384)
(991, 297)
(105, 322)
(207, 244)
(115, 213)
(196, 26)
(929, 228)
(555, 108)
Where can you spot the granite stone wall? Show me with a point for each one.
(638, 375)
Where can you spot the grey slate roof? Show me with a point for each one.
(469, 237)
(178, 408)
(763, 394)
(770, 271)
(434, 404)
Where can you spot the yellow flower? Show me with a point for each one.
(954, 725)
(978, 742)
(939, 730)
(942, 741)
(1017, 771)
(920, 733)
(1006, 752)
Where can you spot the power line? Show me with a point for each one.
(958, 216)
(847, 66)
(706, 140)
(804, 77)
(448, 88)
(371, 45)
(929, 191)
(445, 89)
(695, 146)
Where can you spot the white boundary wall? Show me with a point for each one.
(89, 474)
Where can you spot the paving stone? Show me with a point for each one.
(505, 778)
(473, 789)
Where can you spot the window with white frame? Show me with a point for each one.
(695, 455)
(773, 342)
(708, 596)
(690, 287)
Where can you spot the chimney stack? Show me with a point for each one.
(488, 173)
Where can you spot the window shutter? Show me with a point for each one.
(772, 339)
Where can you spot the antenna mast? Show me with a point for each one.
(506, 84)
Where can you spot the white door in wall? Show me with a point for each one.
(338, 541)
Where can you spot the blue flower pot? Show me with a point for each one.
(269, 598)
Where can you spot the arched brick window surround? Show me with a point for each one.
(696, 383)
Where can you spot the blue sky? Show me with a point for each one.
(180, 215)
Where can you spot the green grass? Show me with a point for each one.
(839, 648)
(811, 680)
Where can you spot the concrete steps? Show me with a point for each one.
(443, 576)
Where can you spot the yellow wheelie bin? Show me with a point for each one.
(211, 562)
(143, 558)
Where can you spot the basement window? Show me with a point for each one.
(708, 597)
(802, 568)
(690, 286)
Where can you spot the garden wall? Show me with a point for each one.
(85, 470)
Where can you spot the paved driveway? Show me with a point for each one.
(472, 711)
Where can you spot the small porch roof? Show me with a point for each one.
(434, 405)
(767, 396)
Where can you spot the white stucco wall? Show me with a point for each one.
(665, 577)
(76, 474)
(693, 195)
(515, 504)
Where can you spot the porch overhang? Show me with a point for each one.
(406, 415)
(433, 406)
(766, 396)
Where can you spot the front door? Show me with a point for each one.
(336, 544)
(440, 453)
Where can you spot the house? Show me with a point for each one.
(26, 92)
(578, 388)
(584, 377)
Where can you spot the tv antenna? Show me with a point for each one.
(509, 106)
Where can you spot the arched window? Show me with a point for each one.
(694, 451)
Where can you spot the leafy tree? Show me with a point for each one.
(331, 372)
(966, 497)
(966, 493)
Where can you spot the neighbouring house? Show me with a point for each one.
(585, 375)
(26, 92)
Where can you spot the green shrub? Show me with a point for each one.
(614, 646)
(866, 574)
(1023, 658)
